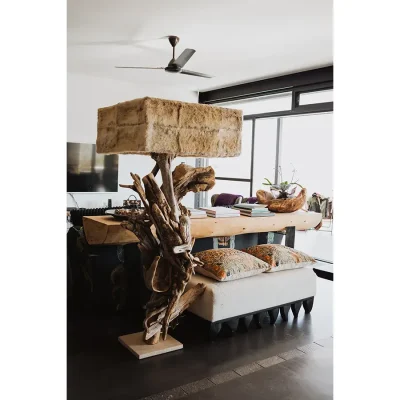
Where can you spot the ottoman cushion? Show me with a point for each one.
(280, 257)
(229, 264)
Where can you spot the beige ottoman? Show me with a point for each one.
(260, 297)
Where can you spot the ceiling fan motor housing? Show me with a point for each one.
(173, 40)
(173, 68)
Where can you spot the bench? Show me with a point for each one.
(260, 297)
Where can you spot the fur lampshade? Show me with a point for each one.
(151, 125)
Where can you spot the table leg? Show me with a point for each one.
(290, 236)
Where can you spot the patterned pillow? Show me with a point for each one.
(229, 264)
(280, 257)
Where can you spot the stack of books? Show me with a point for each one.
(253, 210)
(196, 213)
(221, 212)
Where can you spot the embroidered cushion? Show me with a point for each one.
(229, 264)
(280, 257)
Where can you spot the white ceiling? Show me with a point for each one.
(235, 40)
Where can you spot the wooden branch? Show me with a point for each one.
(155, 170)
(158, 301)
(185, 301)
(139, 189)
(158, 276)
(184, 229)
(155, 195)
(164, 163)
(190, 179)
(168, 264)
(182, 248)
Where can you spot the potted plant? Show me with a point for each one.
(282, 196)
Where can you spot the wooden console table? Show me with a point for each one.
(241, 232)
(105, 230)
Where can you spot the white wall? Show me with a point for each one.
(85, 95)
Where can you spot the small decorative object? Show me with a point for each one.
(288, 205)
(264, 197)
(284, 189)
(285, 201)
(165, 129)
(120, 214)
(132, 203)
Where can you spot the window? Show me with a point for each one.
(322, 96)
(264, 152)
(236, 171)
(271, 103)
(307, 146)
(285, 140)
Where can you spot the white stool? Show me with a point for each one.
(260, 296)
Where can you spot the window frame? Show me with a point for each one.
(298, 83)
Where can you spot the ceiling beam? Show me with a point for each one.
(277, 84)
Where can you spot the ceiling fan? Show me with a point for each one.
(176, 65)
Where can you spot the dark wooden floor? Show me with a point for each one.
(100, 368)
(308, 377)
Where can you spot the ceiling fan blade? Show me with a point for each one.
(142, 67)
(186, 72)
(105, 43)
(126, 42)
(184, 57)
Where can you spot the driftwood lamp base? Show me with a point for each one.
(135, 343)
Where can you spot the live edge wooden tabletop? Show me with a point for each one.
(105, 230)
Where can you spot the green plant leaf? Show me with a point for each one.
(269, 182)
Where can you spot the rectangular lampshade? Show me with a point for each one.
(151, 125)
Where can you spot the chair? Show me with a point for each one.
(321, 204)
(250, 200)
(225, 199)
(324, 205)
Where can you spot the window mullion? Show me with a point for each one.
(278, 154)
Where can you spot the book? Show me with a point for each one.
(257, 215)
(250, 206)
(223, 215)
(196, 213)
(263, 212)
(219, 211)
(256, 211)
(195, 216)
